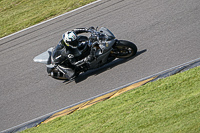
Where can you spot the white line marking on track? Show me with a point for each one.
(50, 19)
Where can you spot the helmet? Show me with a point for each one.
(70, 39)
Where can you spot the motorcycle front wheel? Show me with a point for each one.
(124, 49)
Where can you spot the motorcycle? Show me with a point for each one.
(102, 42)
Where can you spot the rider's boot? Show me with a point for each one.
(68, 72)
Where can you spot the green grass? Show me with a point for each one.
(16, 15)
(170, 105)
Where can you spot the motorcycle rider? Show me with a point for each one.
(68, 50)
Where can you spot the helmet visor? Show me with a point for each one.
(73, 43)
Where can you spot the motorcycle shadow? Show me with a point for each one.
(104, 68)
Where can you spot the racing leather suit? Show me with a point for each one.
(63, 53)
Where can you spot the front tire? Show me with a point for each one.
(124, 49)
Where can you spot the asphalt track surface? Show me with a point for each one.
(166, 33)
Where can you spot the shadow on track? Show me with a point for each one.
(102, 69)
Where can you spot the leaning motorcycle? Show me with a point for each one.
(102, 42)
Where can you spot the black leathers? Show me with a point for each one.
(62, 52)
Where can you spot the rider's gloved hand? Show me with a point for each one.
(89, 58)
(90, 29)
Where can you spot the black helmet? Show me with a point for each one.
(70, 39)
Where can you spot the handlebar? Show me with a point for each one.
(96, 36)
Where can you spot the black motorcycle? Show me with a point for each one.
(103, 43)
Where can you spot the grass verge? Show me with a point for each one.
(167, 105)
(16, 15)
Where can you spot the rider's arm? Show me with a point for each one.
(80, 30)
(80, 62)
(74, 62)
(59, 54)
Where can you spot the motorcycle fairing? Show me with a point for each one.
(107, 32)
(44, 57)
(100, 60)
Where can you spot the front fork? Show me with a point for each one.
(114, 52)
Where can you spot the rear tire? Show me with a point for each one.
(124, 49)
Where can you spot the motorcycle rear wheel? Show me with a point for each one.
(124, 49)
